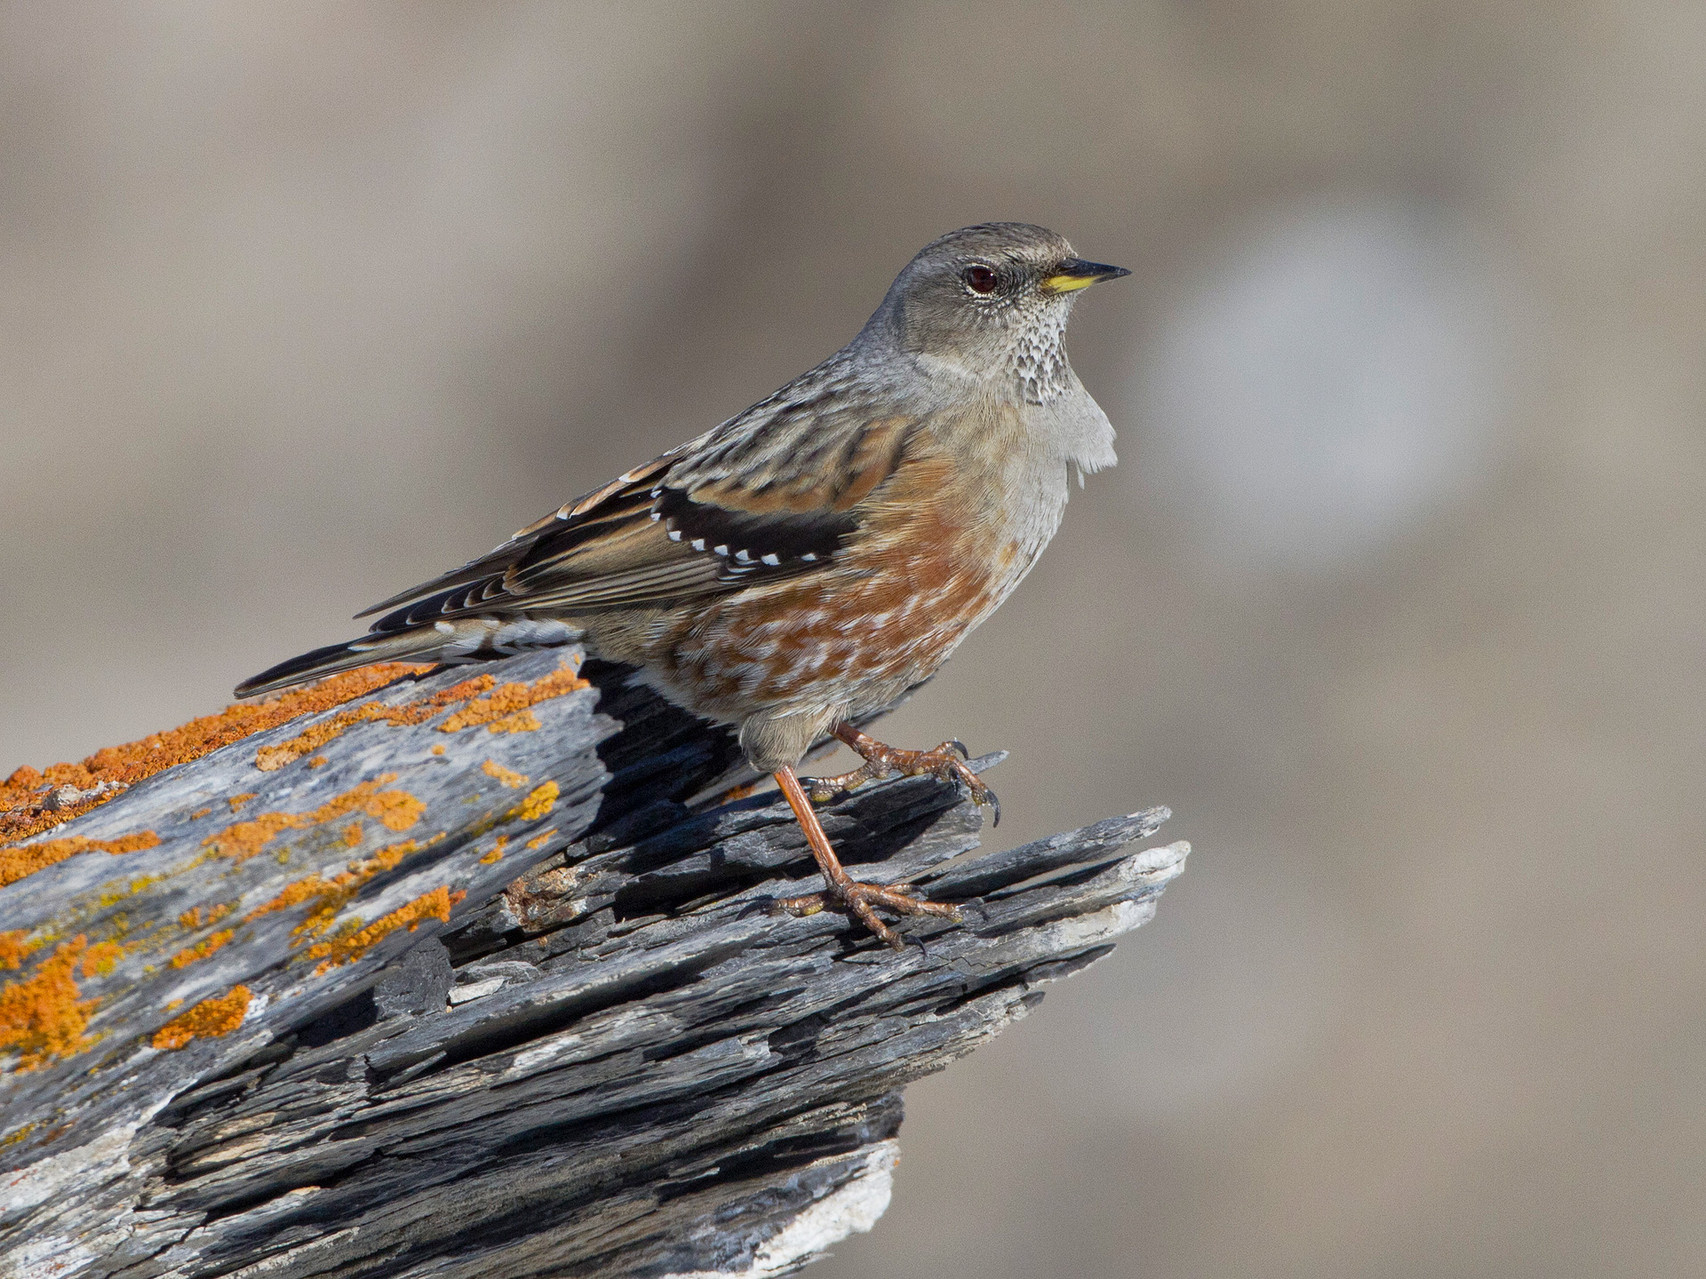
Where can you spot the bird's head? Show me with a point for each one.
(989, 300)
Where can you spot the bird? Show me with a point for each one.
(804, 564)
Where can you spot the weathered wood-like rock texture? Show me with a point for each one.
(454, 980)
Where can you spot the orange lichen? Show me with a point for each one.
(538, 841)
(437, 750)
(209, 1019)
(502, 710)
(358, 940)
(497, 853)
(319, 761)
(292, 894)
(540, 801)
(329, 896)
(101, 958)
(41, 1017)
(237, 801)
(466, 689)
(505, 711)
(198, 916)
(201, 812)
(395, 809)
(23, 796)
(508, 776)
(14, 948)
(202, 949)
(15, 863)
(271, 758)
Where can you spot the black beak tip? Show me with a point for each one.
(1093, 271)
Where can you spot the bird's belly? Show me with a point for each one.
(854, 643)
(819, 645)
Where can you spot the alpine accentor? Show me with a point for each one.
(812, 558)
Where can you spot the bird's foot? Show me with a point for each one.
(824, 789)
(859, 900)
(947, 761)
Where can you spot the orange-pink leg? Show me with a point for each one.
(839, 886)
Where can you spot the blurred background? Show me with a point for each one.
(1396, 597)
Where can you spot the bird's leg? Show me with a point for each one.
(947, 761)
(839, 886)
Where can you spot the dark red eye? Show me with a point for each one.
(979, 279)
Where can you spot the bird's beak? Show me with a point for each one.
(1076, 273)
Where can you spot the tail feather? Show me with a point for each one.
(466, 640)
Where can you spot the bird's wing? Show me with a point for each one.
(771, 493)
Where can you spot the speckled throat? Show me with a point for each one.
(1038, 359)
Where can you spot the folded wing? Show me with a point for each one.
(772, 493)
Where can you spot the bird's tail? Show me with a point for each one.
(469, 639)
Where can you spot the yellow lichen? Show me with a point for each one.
(395, 809)
(16, 863)
(236, 802)
(202, 949)
(209, 1019)
(20, 1134)
(497, 853)
(113, 896)
(41, 1016)
(508, 776)
(437, 750)
(538, 841)
(356, 941)
(540, 801)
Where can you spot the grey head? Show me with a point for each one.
(989, 302)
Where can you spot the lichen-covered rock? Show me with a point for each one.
(448, 975)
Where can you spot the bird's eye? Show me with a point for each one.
(979, 279)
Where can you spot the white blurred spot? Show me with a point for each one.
(1334, 378)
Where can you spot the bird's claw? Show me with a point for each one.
(949, 761)
(942, 763)
(859, 898)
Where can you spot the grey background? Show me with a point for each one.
(1396, 596)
